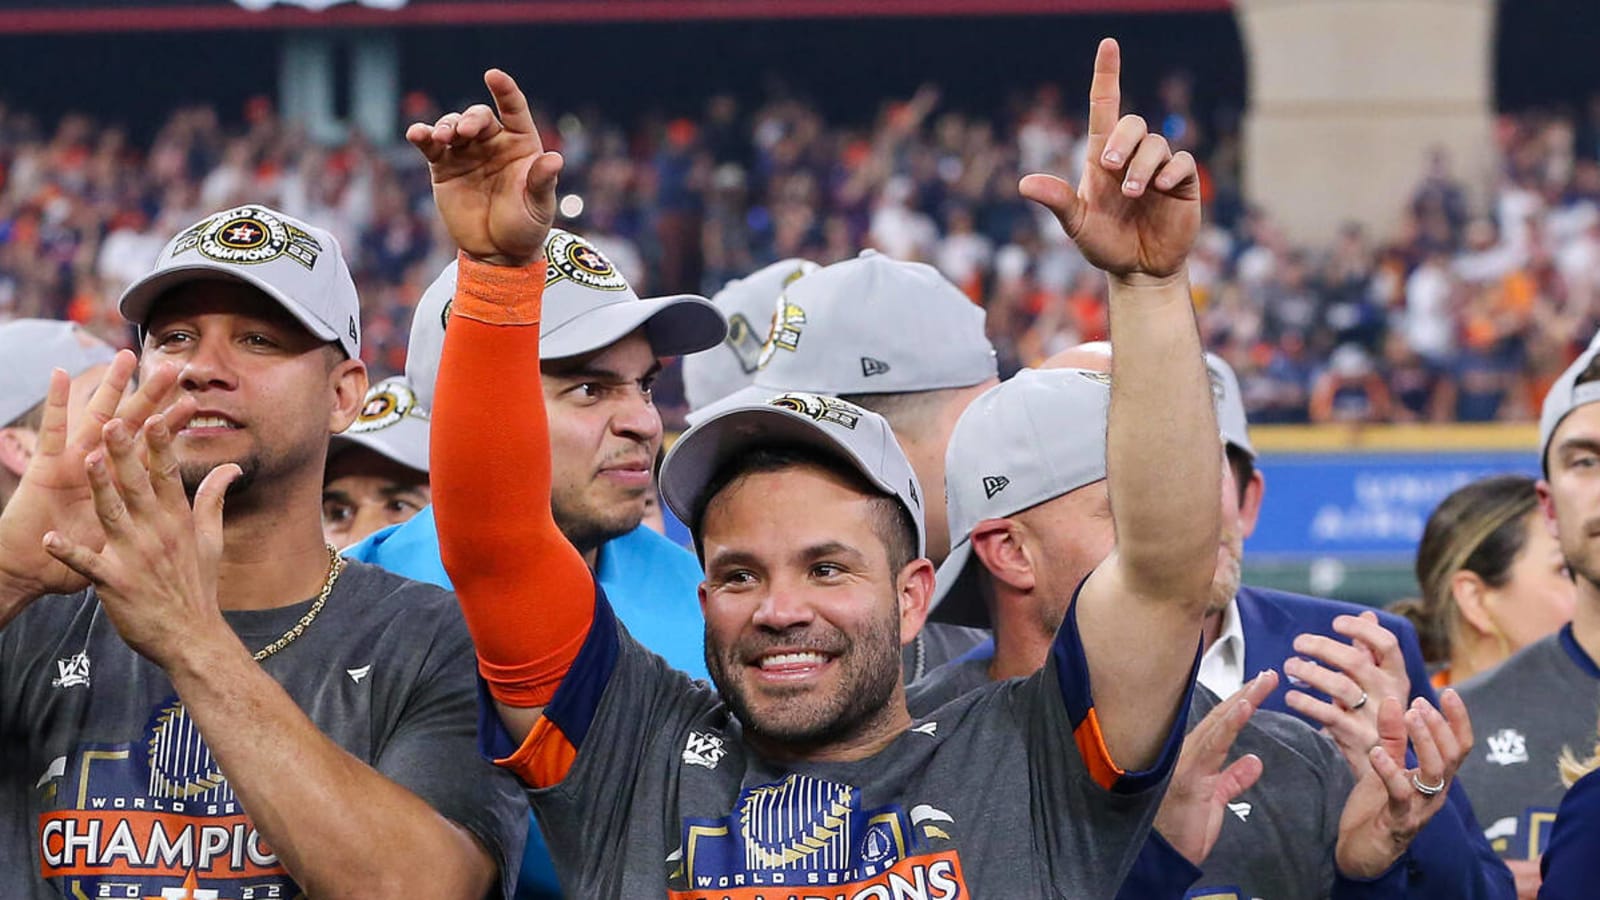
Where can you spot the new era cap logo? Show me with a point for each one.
(871, 367)
(994, 484)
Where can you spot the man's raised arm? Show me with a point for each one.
(1135, 215)
(526, 594)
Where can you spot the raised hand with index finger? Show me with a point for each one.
(1136, 211)
(493, 181)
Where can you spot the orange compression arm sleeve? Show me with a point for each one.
(526, 593)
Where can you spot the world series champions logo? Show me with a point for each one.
(153, 819)
(810, 839)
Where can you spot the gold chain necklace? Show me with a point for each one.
(335, 566)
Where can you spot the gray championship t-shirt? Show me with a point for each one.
(990, 797)
(1544, 699)
(107, 787)
(1278, 838)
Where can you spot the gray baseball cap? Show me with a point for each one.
(587, 305)
(296, 264)
(747, 302)
(870, 325)
(1225, 391)
(1030, 439)
(1565, 396)
(32, 349)
(860, 437)
(392, 424)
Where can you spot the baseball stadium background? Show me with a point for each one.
(1404, 194)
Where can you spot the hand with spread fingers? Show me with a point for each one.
(55, 493)
(1391, 802)
(493, 181)
(1136, 211)
(1191, 813)
(1355, 677)
(156, 571)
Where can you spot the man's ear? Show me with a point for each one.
(998, 545)
(1547, 507)
(916, 586)
(348, 380)
(16, 448)
(1250, 503)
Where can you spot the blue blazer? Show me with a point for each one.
(1571, 864)
(1271, 620)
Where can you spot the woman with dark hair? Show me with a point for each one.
(1493, 579)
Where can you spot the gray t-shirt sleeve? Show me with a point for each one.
(1084, 809)
(431, 751)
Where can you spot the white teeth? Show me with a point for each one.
(210, 422)
(793, 659)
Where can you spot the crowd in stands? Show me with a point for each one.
(1465, 314)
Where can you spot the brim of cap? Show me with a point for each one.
(675, 325)
(410, 457)
(696, 457)
(956, 598)
(749, 395)
(137, 299)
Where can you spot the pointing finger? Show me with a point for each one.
(511, 103)
(1105, 95)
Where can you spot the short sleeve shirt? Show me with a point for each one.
(108, 788)
(1539, 702)
(1003, 793)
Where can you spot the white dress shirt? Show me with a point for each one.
(1222, 665)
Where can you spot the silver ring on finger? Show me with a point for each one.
(1427, 790)
(1359, 703)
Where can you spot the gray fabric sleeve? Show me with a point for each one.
(432, 751)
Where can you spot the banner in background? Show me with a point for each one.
(1362, 506)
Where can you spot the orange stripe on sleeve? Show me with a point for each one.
(526, 594)
(1092, 747)
(544, 758)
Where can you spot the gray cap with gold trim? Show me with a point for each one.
(392, 424)
(296, 264)
(747, 302)
(587, 305)
(858, 436)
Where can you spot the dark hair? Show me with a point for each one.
(1479, 528)
(1244, 469)
(891, 521)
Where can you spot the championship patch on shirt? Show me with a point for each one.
(153, 819)
(571, 258)
(248, 235)
(807, 837)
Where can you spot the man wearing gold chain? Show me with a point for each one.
(229, 710)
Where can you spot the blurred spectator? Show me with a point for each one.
(1349, 389)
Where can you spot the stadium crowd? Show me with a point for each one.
(1465, 314)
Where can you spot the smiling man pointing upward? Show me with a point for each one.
(803, 766)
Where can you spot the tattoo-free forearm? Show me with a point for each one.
(340, 827)
(1167, 512)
